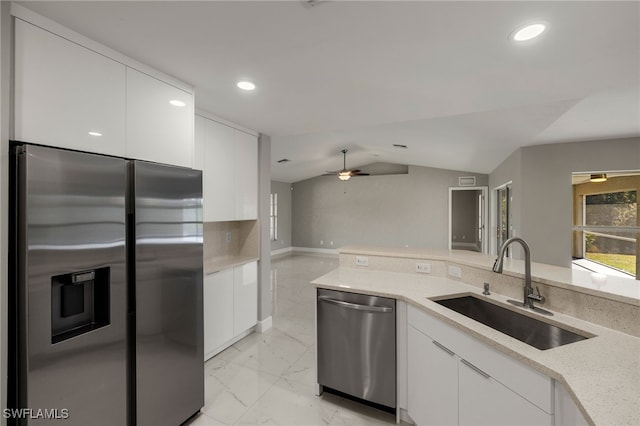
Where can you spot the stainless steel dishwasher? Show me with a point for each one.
(357, 345)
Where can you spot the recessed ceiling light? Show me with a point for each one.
(284, 160)
(177, 103)
(397, 145)
(246, 85)
(95, 134)
(528, 32)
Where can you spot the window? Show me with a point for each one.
(606, 226)
(273, 217)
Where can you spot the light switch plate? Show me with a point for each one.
(423, 268)
(455, 271)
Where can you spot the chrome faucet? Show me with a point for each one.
(529, 296)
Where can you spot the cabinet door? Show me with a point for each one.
(246, 163)
(63, 91)
(245, 297)
(485, 401)
(199, 144)
(433, 381)
(218, 310)
(158, 130)
(219, 173)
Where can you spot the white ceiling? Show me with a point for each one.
(440, 77)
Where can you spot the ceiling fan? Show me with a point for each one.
(345, 174)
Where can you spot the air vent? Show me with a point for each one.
(284, 160)
(397, 145)
(467, 181)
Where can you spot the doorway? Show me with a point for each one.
(467, 218)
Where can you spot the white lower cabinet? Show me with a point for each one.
(484, 401)
(454, 379)
(218, 309)
(230, 299)
(245, 297)
(433, 381)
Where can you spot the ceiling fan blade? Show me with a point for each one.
(361, 174)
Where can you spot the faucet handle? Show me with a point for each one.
(537, 297)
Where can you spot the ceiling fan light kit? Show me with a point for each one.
(345, 174)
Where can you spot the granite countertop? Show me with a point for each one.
(602, 373)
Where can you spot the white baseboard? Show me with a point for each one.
(230, 342)
(404, 416)
(281, 251)
(315, 250)
(264, 325)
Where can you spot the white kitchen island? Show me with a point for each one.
(596, 380)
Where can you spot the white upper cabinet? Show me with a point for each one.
(246, 154)
(96, 100)
(198, 146)
(230, 172)
(218, 174)
(63, 91)
(159, 121)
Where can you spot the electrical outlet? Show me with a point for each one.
(362, 261)
(321, 242)
(455, 271)
(423, 268)
(331, 243)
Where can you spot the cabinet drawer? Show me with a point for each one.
(527, 382)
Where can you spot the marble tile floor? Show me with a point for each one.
(269, 378)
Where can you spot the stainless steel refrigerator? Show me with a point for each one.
(105, 290)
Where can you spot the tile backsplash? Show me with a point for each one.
(231, 239)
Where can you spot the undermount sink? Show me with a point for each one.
(529, 330)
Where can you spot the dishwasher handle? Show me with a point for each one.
(356, 306)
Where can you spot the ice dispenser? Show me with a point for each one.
(79, 303)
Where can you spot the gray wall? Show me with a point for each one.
(393, 210)
(264, 265)
(284, 214)
(542, 186)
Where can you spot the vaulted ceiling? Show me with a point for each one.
(442, 78)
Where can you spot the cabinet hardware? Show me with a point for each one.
(355, 306)
(476, 369)
(447, 350)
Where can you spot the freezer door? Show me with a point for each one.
(71, 292)
(168, 293)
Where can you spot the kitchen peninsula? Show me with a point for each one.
(599, 376)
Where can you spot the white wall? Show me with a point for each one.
(541, 178)
(394, 210)
(283, 190)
